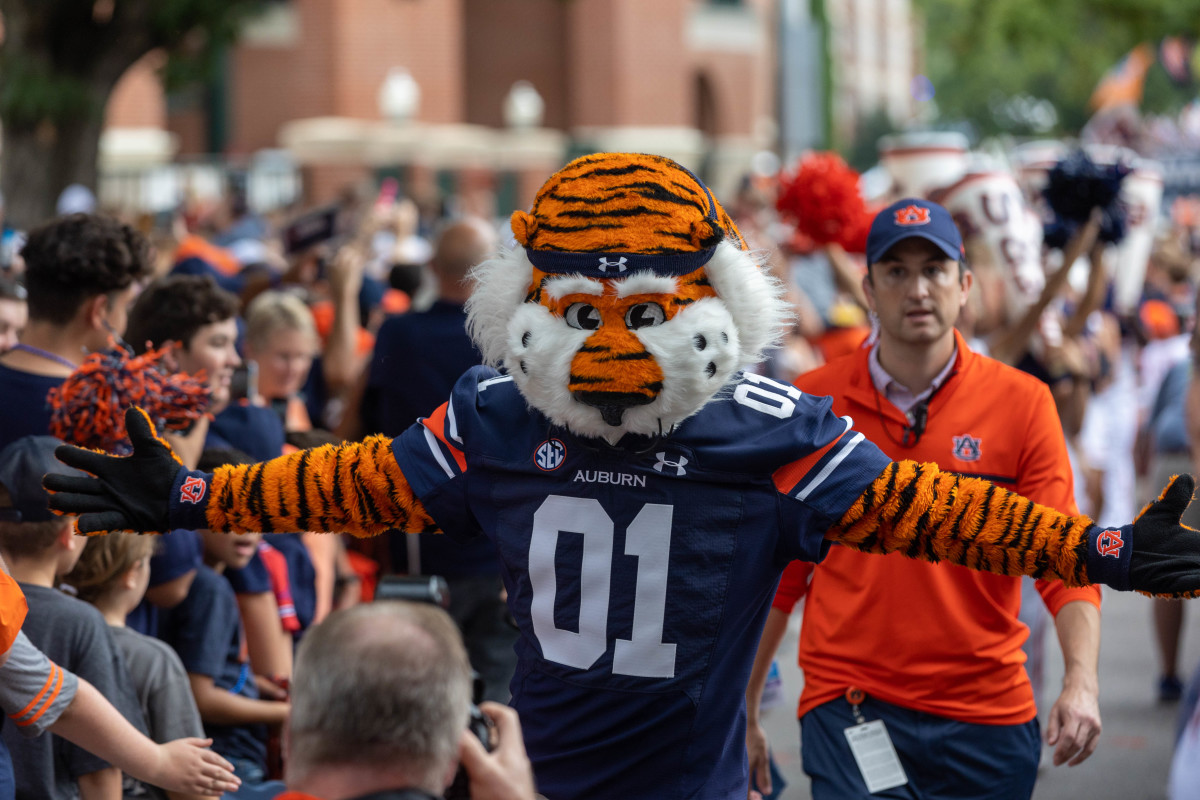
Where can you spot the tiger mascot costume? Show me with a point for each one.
(644, 494)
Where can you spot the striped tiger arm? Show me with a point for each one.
(357, 488)
(922, 512)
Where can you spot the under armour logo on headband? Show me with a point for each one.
(619, 264)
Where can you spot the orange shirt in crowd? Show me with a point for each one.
(937, 638)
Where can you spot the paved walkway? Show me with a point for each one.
(1135, 748)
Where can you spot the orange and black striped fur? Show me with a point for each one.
(921, 512)
(623, 203)
(356, 488)
(913, 509)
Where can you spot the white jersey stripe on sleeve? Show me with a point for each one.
(829, 469)
(453, 422)
(436, 448)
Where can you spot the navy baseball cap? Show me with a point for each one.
(913, 217)
(22, 465)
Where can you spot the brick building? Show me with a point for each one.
(693, 79)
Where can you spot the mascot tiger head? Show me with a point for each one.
(630, 301)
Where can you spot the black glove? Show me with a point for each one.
(1157, 554)
(145, 491)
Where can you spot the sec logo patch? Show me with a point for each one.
(550, 455)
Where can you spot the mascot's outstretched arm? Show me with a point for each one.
(921, 512)
(357, 488)
(914, 509)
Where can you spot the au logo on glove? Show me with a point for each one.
(1109, 543)
(193, 490)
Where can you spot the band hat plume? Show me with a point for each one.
(608, 214)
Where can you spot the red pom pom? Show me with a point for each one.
(820, 196)
(89, 408)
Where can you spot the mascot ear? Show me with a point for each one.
(524, 226)
(705, 233)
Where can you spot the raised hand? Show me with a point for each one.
(131, 493)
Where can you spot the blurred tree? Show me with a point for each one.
(59, 62)
(980, 55)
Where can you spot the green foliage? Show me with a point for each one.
(31, 93)
(980, 53)
(195, 33)
(60, 58)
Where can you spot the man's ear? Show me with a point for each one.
(869, 289)
(967, 281)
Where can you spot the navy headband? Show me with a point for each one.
(615, 265)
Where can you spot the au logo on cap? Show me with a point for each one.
(912, 215)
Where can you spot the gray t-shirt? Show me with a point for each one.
(34, 691)
(164, 693)
(75, 636)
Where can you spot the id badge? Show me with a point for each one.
(876, 756)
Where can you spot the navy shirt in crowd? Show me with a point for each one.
(417, 360)
(26, 412)
(206, 632)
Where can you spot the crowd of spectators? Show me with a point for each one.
(302, 338)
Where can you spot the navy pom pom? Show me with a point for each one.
(1076, 186)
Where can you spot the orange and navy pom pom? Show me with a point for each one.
(89, 408)
(820, 196)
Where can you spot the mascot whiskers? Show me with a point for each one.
(644, 493)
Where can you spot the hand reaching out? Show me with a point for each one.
(188, 765)
(131, 493)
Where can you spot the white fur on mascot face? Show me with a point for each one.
(697, 330)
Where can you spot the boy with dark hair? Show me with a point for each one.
(82, 274)
(199, 319)
(40, 549)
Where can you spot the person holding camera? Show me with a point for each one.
(381, 699)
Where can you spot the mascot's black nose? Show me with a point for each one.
(612, 405)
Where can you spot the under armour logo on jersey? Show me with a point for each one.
(912, 215)
(676, 465)
(550, 455)
(1109, 543)
(192, 491)
(966, 448)
(619, 264)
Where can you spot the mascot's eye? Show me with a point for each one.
(584, 316)
(644, 315)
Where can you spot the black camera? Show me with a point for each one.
(433, 589)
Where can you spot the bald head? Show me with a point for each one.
(381, 687)
(461, 245)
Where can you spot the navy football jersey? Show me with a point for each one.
(639, 574)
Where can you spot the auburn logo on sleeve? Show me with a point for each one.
(912, 215)
(193, 490)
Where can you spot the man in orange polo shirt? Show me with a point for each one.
(932, 650)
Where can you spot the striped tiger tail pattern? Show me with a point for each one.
(354, 488)
(921, 512)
